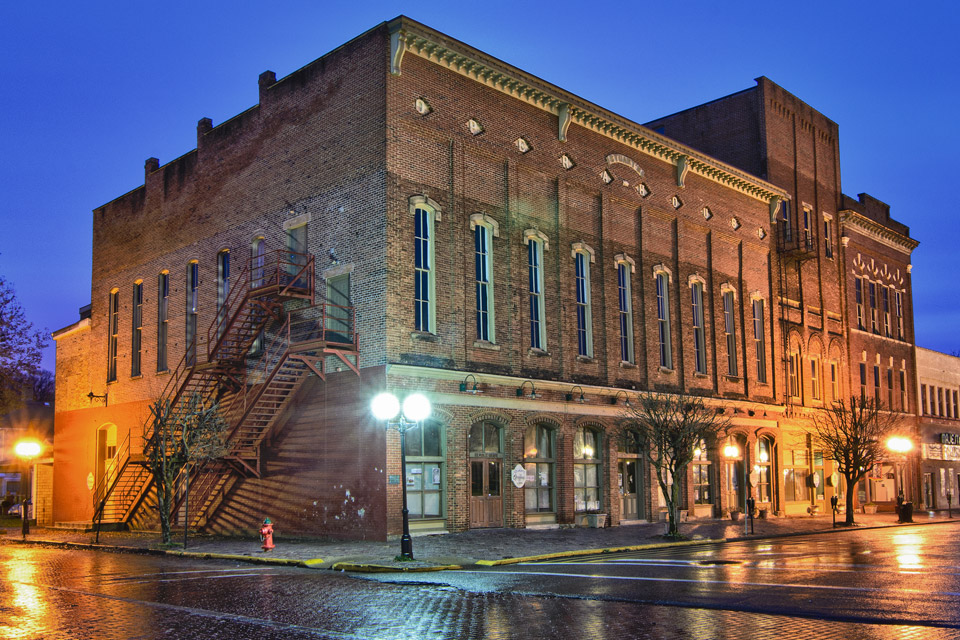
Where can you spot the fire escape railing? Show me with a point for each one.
(272, 277)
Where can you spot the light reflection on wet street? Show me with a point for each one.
(760, 589)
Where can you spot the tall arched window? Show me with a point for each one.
(425, 470)
(424, 277)
(223, 290)
(257, 255)
(539, 462)
(582, 257)
(662, 279)
(587, 474)
(193, 300)
(699, 332)
(625, 268)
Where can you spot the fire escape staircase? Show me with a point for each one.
(251, 382)
(794, 247)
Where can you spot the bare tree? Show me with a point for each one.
(21, 347)
(854, 435)
(178, 437)
(670, 428)
(42, 386)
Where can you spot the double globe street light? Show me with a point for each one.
(416, 408)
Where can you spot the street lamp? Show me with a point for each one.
(27, 450)
(732, 451)
(901, 446)
(416, 407)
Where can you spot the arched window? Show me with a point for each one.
(223, 290)
(484, 229)
(582, 257)
(257, 255)
(662, 279)
(699, 332)
(424, 276)
(193, 300)
(536, 244)
(425, 470)
(136, 325)
(702, 474)
(113, 311)
(539, 462)
(587, 472)
(163, 309)
(625, 268)
(764, 467)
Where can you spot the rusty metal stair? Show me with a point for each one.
(214, 374)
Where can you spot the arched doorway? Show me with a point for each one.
(486, 475)
(630, 477)
(105, 452)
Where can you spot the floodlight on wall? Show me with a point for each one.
(533, 391)
(626, 399)
(569, 395)
(463, 385)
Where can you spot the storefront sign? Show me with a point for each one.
(519, 476)
(393, 478)
(950, 438)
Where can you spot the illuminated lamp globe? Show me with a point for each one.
(27, 449)
(385, 406)
(899, 444)
(731, 451)
(416, 407)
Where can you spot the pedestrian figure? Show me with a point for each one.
(266, 535)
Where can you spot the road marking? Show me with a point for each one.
(713, 564)
(720, 582)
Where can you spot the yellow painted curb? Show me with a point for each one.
(592, 552)
(312, 562)
(379, 568)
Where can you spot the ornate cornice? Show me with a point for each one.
(876, 231)
(408, 36)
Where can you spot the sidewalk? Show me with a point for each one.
(434, 552)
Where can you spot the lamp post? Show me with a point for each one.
(901, 446)
(416, 407)
(732, 451)
(27, 450)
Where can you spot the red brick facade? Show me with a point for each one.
(403, 119)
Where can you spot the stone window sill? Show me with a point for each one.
(425, 336)
(485, 344)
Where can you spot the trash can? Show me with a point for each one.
(906, 512)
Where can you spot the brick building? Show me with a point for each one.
(409, 213)
(938, 376)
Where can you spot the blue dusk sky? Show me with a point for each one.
(89, 90)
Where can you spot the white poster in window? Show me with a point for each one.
(544, 477)
(411, 480)
(436, 475)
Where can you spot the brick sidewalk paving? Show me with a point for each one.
(464, 548)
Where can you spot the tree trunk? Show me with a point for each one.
(673, 512)
(851, 490)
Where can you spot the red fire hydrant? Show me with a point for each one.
(266, 535)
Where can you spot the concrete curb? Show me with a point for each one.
(593, 552)
(287, 562)
(380, 568)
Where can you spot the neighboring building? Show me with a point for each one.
(938, 377)
(841, 266)
(410, 213)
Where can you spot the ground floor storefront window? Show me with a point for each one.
(539, 463)
(586, 470)
(425, 468)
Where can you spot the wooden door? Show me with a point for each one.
(629, 493)
(486, 500)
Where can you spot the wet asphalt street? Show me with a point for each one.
(901, 583)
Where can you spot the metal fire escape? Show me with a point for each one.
(794, 247)
(268, 335)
